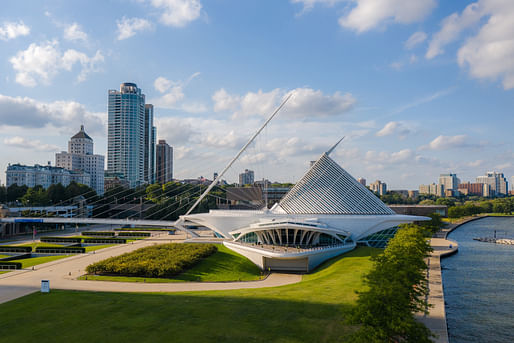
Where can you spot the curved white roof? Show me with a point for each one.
(327, 188)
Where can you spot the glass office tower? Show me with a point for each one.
(150, 134)
(129, 135)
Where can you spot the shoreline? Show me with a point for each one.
(443, 247)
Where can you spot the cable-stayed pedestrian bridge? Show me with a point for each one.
(98, 221)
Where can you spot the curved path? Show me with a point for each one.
(62, 274)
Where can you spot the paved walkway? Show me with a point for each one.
(63, 274)
(436, 319)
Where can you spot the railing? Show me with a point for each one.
(291, 248)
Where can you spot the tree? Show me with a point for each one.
(3, 194)
(56, 193)
(445, 201)
(154, 192)
(76, 189)
(434, 224)
(427, 202)
(397, 289)
(35, 196)
(15, 192)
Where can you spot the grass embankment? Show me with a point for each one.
(33, 261)
(39, 244)
(223, 265)
(310, 311)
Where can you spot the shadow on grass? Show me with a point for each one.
(310, 311)
(70, 316)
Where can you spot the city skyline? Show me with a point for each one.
(416, 91)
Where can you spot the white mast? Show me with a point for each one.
(236, 157)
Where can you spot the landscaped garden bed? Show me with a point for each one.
(158, 261)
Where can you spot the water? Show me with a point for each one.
(479, 283)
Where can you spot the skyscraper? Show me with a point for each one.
(150, 132)
(80, 158)
(246, 178)
(129, 135)
(164, 165)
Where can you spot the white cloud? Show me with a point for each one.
(22, 143)
(447, 142)
(66, 116)
(178, 13)
(394, 128)
(224, 101)
(40, 63)
(489, 54)
(452, 26)
(305, 103)
(369, 14)
(162, 84)
(415, 39)
(74, 32)
(424, 100)
(384, 157)
(128, 27)
(11, 30)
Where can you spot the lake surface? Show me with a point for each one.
(479, 283)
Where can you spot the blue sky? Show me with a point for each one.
(418, 88)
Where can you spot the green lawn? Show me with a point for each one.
(223, 265)
(3, 256)
(39, 244)
(98, 247)
(310, 311)
(88, 248)
(29, 262)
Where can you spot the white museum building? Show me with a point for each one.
(327, 213)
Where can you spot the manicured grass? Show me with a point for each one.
(3, 256)
(39, 244)
(98, 247)
(33, 261)
(223, 265)
(310, 311)
(3, 271)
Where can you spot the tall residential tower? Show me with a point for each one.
(164, 165)
(130, 135)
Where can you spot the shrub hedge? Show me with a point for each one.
(134, 234)
(98, 233)
(61, 250)
(164, 260)
(10, 265)
(144, 229)
(15, 257)
(60, 240)
(10, 248)
(106, 240)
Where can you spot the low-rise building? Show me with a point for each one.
(480, 189)
(44, 176)
(378, 187)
